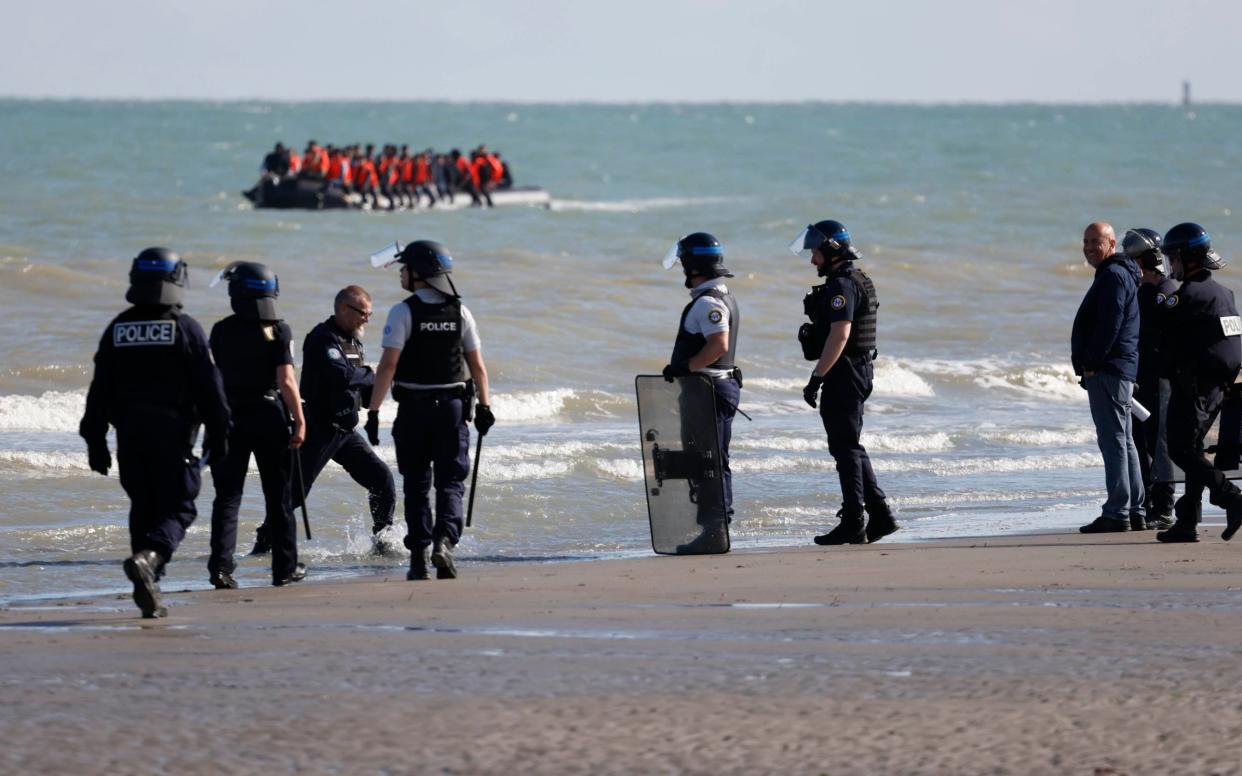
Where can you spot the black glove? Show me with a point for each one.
(98, 456)
(215, 448)
(372, 426)
(673, 371)
(483, 418)
(810, 394)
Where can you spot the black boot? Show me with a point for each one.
(1233, 518)
(262, 545)
(712, 541)
(1182, 531)
(880, 522)
(442, 559)
(849, 531)
(143, 569)
(420, 559)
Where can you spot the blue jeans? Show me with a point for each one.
(1110, 396)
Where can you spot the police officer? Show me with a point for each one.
(433, 361)
(706, 344)
(841, 339)
(1151, 390)
(154, 381)
(1203, 353)
(254, 350)
(336, 383)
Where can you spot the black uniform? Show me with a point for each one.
(1202, 360)
(336, 382)
(430, 434)
(1152, 391)
(849, 295)
(248, 352)
(155, 382)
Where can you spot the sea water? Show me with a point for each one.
(969, 219)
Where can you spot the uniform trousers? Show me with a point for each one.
(433, 448)
(846, 388)
(259, 427)
(1193, 406)
(160, 474)
(1153, 451)
(325, 442)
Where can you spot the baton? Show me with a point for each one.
(474, 480)
(297, 464)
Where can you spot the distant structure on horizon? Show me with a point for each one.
(1185, 92)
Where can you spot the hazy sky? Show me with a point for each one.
(566, 50)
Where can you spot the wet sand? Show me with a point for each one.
(1028, 655)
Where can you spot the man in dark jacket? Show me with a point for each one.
(1104, 351)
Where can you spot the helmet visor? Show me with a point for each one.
(808, 240)
(671, 258)
(223, 274)
(386, 256)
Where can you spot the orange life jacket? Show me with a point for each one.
(365, 174)
(498, 169)
(407, 170)
(295, 162)
(468, 169)
(421, 172)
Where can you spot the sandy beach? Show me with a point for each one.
(1046, 654)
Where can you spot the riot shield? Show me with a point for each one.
(681, 465)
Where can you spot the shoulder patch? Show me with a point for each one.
(334, 354)
(387, 330)
(715, 316)
(837, 302)
(1160, 297)
(1171, 301)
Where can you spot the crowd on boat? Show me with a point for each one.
(403, 177)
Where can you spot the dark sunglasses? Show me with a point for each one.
(366, 316)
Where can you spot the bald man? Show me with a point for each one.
(1104, 352)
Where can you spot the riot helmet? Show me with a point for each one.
(1143, 246)
(157, 276)
(831, 238)
(430, 262)
(253, 289)
(1190, 244)
(700, 254)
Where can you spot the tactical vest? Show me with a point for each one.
(687, 345)
(149, 361)
(243, 353)
(433, 353)
(862, 339)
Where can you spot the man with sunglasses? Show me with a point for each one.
(336, 384)
(841, 339)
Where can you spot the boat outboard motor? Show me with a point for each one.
(253, 289)
(831, 238)
(430, 262)
(157, 276)
(700, 254)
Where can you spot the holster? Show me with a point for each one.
(467, 404)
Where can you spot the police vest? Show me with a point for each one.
(1204, 327)
(243, 351)
(863, 328)
(687, 345)
(433, 353)
(149, 361)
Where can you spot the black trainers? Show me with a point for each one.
(849, 531)
(1138, 523)
(143, 569)
(419, 560)
(262, 546)
(711, 541)
(297, 575)
(1180, 532)
(442, 559)
(223, 580)
(1159, 521)
(879, 525)
(1105, 525)
(1233, 521)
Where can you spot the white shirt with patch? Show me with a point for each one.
(708, 315)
